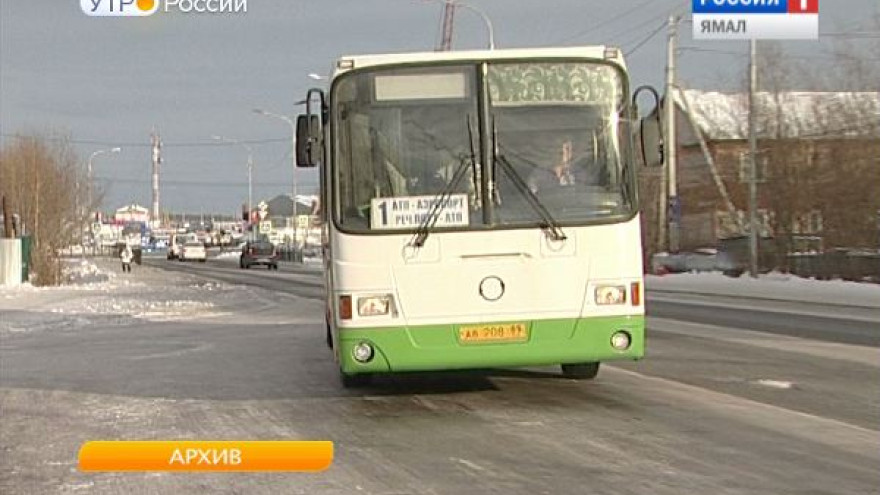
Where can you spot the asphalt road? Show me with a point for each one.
(826, 322)
(727, 405)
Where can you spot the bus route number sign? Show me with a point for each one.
(406, 212)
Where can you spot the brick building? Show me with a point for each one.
(818, 169)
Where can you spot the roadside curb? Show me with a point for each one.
(649, 290)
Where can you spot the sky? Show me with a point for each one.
(108, 81)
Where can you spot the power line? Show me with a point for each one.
(184, 182)
(603, 24)
(645, 40)
(852, 34)
(192, 144)
(843, 57)
(648, 22)
(636, 30)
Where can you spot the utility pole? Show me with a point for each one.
(674, 204)
(449, 16)
(292, 125)
(448, 20)
(753, 170)
(157, 159)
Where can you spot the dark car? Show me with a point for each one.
(258, 252)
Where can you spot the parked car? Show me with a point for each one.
(193, 250)
(699, 260)
(258, 252)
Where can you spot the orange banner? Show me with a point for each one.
(198, 456)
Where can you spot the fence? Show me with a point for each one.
(854, 265)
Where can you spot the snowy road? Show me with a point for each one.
(208, 351)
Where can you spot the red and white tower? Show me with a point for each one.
(157, 159)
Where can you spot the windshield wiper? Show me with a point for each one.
(550, 226)
(433, 215)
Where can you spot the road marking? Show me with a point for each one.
(174, 353)
(780, 384)
(472, 465)
(427, 404)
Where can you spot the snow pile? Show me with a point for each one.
(97, 294)
(769, 286)
(141, 301)
(76, 274)
(140, 307)
(84, 272)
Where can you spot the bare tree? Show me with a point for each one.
(39, 176)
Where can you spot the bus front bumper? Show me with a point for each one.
(440, 347)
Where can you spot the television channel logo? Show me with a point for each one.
(755, 19)
(119, 8)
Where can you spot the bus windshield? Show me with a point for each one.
(556, 128)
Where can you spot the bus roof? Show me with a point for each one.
(601, 52)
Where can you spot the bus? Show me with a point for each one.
(480, 210)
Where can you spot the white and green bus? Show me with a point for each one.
(480, 210)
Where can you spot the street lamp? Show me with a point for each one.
(250, 167)
(292, 125)
(482, 14)
(89, 170)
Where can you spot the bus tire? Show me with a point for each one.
(355, 381)
(580, 371)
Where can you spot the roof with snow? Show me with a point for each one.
(784, 115)
(282, 205)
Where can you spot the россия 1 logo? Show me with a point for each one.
(141, 8)
(755, 19)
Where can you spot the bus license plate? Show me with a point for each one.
(508, 332)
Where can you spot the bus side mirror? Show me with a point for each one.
(650, 130)
(308, 140)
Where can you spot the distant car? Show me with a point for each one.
(177, 242)
(193, 250)
(699, 260)
(258, 252)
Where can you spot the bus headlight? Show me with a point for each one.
(362, 352)
(610, 294)
(377, 305)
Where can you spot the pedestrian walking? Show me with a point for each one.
(126, 256)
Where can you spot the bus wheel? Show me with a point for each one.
(355, 381)
(582, 371)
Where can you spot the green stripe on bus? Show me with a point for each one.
(434, 347)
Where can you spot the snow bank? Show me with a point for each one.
(769, 286)
(84, 272)
(95, 293)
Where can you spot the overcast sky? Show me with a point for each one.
(108, 81)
